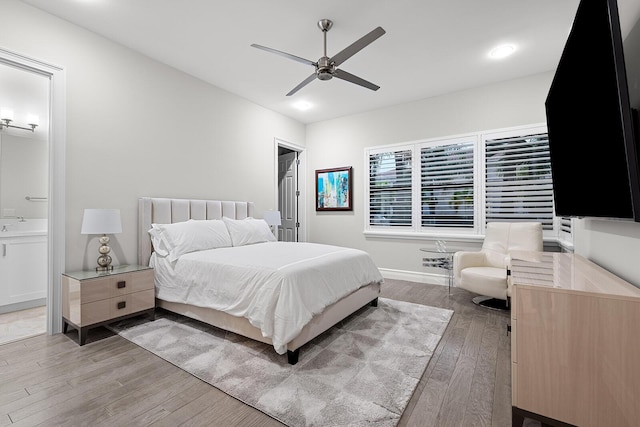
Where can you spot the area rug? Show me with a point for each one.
(362, 371)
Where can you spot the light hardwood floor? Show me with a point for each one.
(23, 324)
(50, 380)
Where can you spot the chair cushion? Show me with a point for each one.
(489, 281)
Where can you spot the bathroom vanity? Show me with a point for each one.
(23, 268)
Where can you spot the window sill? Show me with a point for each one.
(412, 235)
(466, 238)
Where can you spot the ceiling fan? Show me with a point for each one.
(326, 68)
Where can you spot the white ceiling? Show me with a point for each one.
(431, 47)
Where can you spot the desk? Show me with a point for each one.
(439, 259)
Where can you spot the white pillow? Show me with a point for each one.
(174, 240)
(248, 231)
(156, 240)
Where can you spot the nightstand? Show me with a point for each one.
(91, 299)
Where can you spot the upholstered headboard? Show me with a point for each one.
(166, 211)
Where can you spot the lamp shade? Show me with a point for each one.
(272, 217)
(101, 221)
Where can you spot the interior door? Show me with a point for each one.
(288, 196)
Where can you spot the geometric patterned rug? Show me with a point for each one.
(361, 372)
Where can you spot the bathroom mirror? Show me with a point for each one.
(24, 155)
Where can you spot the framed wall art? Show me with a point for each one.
(334, 188)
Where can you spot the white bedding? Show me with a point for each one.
(277, 286)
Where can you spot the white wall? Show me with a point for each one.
(136, 127)
(341, 142)
(614, 245)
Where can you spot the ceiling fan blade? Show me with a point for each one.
(305, 82)
(356, 46)
(343, 75)
(286, 55)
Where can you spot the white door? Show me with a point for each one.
(288, 196)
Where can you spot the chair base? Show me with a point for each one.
(491, 303)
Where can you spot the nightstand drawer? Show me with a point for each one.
(111, 308)
(113, 286)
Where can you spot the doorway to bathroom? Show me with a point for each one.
(24, 202)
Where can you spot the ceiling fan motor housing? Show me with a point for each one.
(325, 69)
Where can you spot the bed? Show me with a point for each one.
(290, 293)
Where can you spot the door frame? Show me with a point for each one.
(56, 230)
(302, 169)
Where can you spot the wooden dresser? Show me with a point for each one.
(575, 342)
(91, 299)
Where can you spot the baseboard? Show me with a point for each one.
(9, 308)
(415, 276)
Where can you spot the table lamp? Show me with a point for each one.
(273, 219)
(102, 221)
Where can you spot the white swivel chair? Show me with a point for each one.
(484, 272)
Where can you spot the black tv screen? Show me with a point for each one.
(592, 143)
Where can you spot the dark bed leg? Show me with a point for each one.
(292, 356)
(374, 303)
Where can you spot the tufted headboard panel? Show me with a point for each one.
(157, 210)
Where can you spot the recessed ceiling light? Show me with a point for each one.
(502, 51)
(302, 105)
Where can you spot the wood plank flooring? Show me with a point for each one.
(51, 381)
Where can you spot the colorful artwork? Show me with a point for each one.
(333, 189)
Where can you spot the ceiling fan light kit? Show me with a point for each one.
(326, 68)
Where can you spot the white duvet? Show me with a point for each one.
(277, 286)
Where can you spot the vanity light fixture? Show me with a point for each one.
(6, 117)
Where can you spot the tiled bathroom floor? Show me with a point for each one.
(22, 324)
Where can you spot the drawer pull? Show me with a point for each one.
(121, 305)
(122, 284)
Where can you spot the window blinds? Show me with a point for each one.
(518, 180)
(390, 188)
(446, 191)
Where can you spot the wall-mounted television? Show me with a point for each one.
(592, 117)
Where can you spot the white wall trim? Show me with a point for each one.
(302, 184)
(57, 142)
(415, 276)
(426, 237)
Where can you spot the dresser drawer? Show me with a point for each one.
(116, 285)
(111, 308)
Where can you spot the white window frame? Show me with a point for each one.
(473, 139)
(502, 134)
(385, 149)
(416, 230)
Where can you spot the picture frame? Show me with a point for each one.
(334, 189)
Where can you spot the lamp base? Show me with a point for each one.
(104, 260)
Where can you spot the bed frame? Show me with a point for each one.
(167, 211)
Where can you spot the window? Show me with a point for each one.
(518, 180)
(446, 190)
(565, 236)
(390, 188)
(461, 183)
